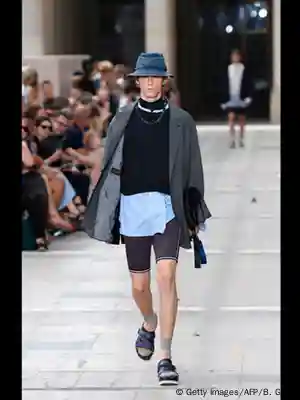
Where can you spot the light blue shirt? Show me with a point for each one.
(145, 214)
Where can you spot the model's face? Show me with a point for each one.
(150, 87)
(235, 57)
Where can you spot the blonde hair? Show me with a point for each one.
(105, 66)
(30, 74)
(96, 126)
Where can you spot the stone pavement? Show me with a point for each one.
(79, 321)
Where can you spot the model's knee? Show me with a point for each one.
(140, 283)
(166, 274)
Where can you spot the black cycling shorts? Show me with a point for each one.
(165, 245)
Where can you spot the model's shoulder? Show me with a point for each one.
(181, 114)
(127, 109)
(122, 115)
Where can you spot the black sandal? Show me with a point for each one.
(144, 344)
(167, 373)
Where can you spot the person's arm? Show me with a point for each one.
(81, 158)
(33, 96)
(55, 157)
(27, 158)
(66, 144)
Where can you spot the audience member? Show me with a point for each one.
(34, 198)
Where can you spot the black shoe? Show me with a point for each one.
(242, 143)
(167, 374)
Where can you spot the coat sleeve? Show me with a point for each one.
(108, 143)
(196, 176)
(90, 215)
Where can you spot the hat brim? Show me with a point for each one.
(140, 74)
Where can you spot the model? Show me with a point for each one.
(151, 158)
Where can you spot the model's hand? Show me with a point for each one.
(223, 106)
(195, 232)
(248, 100)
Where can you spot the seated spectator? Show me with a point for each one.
(68, 116)
(62, 191)
(91, 156)
(48, 142)
(62, 120)
(34, 198)
(51, 147)
(74, 135)
(74, 138)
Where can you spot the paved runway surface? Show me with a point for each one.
(79, 321)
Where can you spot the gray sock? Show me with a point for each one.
(151, 320)
(165, 346)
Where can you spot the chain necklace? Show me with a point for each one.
(152, 122)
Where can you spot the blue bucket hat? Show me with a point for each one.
(151, 64)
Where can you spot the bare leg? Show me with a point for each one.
(55, 218)
(166, 280)
(231, 123)
(242, 121)
(142, 296)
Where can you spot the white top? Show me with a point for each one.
(235, 75)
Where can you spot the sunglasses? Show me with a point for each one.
(25, 129)
(46, 127)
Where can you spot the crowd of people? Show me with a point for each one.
(62, 144)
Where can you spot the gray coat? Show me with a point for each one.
(185, 170)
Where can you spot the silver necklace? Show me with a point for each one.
(157, 120)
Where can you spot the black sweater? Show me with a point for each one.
(146, 150)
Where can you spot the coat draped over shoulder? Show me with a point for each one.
(101, 220)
